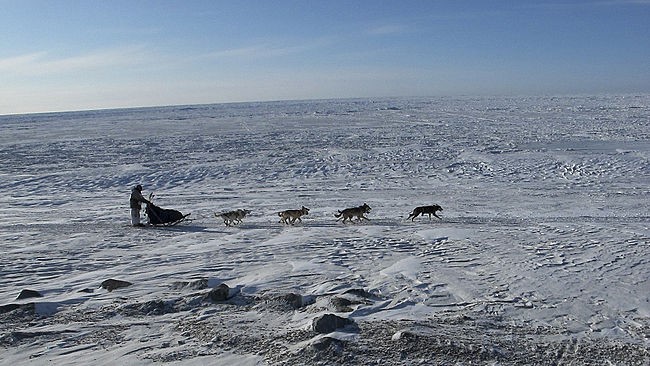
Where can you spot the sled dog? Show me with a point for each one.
(348, 213)
(233, 217)
(290, 216)
(430, 210)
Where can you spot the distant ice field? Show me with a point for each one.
(545, 221)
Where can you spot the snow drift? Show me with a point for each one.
(541, 255)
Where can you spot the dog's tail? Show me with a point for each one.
(413, 215)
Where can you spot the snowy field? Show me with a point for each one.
(542, 255)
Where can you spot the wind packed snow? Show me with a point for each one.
(541, 256)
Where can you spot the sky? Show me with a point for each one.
(89, 54)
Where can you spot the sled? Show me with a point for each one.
(164, 217)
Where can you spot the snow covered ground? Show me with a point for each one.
(542, 255)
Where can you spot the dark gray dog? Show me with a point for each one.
(430, 210)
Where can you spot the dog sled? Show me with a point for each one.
(159, 216)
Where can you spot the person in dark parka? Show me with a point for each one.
(136, 205)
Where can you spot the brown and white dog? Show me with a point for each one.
(290, 216)
(233, 217)
(349, 213)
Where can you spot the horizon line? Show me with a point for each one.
(118, 108)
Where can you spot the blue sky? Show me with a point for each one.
(88, 54)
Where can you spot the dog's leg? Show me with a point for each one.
(415, 214)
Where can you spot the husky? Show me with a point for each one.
(348, 213)
(290, 216)
(233, 217)
(430, 210)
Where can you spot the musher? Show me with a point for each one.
(135, 202)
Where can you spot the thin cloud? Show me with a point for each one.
(625, 2)
(386, 30)
(40, 63)
(16, 62)
(582, 4)
(266, 50)
(258, 51)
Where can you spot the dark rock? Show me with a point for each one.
(282, 303)
(341, 304)
(112, 284)
(329, 322)
(359, 292)
(293, 300)
(219, 293)
(26, 294)
(152, 307)
(25, 309)
(9, 307)
(193, 285)
(328, 343)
